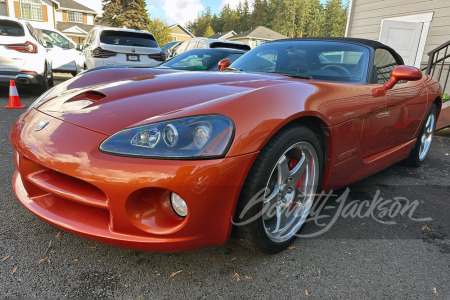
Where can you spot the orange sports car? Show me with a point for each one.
(164, 160)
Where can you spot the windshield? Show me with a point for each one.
(335, 61)
(199, 60)
(125, 38)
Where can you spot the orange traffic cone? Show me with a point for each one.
(14, 100)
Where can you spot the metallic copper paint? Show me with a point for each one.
(259, 105)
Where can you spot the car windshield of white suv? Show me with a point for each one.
(125, 38)
(10, 28)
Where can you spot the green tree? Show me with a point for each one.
(259, 16)
(335, 18)
(131, 14)
(284, 20)
(208, 32)
(200, 24)
(160, 30)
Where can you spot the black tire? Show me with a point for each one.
(43, 87)
(257, 234)
(420, 151)
(50, 79)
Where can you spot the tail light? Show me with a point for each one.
(27, 47)
(101, 53)
(158, 56)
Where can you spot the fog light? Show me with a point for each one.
(178, 205)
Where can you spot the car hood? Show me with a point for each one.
(130, 97)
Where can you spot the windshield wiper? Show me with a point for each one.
(302, 76)
(233, 69)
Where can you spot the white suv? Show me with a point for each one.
(23, 56)
(121, 47)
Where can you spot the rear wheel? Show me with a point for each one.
(279, 190)
(423, 143)
(45, 81)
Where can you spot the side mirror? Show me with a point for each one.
(399, 73)
(79, 47)
(48, 45)
(224, 63)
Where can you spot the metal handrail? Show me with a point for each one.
(434, 60)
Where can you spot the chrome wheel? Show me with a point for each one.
(290, 191)
(427, 136)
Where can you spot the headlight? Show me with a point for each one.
(193, 137)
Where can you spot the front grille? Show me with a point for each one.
(40, 181)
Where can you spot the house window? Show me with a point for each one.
(75, 17)
(31, 10)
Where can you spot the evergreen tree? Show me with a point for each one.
(335, 18)
(131, 14)
(208, 32)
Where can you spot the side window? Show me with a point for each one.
(182, 47)
(192, 45)
(55, 38)
(384, 63)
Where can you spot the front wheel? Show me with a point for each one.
(279, 190)
(423, 143)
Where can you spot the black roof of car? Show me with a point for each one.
(365, 42)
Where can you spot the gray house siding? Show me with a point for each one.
(366, 17)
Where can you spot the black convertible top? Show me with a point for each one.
(369, 43)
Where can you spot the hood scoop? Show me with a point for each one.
(82, 101)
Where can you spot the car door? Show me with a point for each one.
(64, 51)
(399, 120)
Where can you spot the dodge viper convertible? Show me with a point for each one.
(164, 160)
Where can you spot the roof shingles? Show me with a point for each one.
(70, 4)
(260, 32)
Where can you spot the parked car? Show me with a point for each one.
(200, 42)
(66, 54)
(169, 48)
(162, 160)
(23, 56)
(202, 59)
(121, 47)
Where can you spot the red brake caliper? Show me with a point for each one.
(292, 163)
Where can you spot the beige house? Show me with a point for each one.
(68, 16)
(74, 20)
(179, 33)
(223, 35)
(257, 36)
(412, 27)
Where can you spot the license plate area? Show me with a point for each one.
(133, 57)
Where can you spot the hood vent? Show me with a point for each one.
(93, 96)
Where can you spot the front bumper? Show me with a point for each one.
(63, 178)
